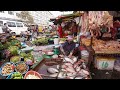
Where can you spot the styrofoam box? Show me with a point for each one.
(105, 64)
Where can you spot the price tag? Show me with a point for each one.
(105, 65)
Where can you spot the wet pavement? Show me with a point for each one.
(104, 74)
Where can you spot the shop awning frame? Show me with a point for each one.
(67, 17)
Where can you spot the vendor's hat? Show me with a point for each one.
(70, 37)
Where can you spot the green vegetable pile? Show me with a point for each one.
(1, 46)
(6, 45)
(62, 39)
(27, 56)
(15, 59)
(10, 43)
(41, 41)
(13, 50)
(16, 75)
(16, 43)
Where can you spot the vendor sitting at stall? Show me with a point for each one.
(69, 45)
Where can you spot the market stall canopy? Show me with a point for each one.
(67, 17)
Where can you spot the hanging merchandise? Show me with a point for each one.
(62, 24)
(77, 20)
(107, 19)
(82, 26)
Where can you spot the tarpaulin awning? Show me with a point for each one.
(67, 17)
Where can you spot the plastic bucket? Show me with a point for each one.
(56, 41)
(32, 73)
(85, 56)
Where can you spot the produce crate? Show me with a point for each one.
(104, 63)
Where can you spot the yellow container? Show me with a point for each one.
(13, 36)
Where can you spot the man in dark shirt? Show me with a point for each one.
(69, 45)
(74, 29)
(5, 28)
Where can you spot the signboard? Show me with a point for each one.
(105, 64)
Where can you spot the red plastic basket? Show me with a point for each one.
(33, 73)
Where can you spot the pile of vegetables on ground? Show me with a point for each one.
(15, 43)
(41, 41)
(15, 59)
(10, 43)
(26, 56)
(9, 48)
(13, 50)
(16, 75)
(63, 39)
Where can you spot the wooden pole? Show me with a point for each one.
(79, 21)
(91, 41)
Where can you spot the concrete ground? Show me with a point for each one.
(104, 74)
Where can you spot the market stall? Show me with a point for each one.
(103, 52)
(66, 21)
(20, 61)
(16, 59)
(42, 61)
(58, 66)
